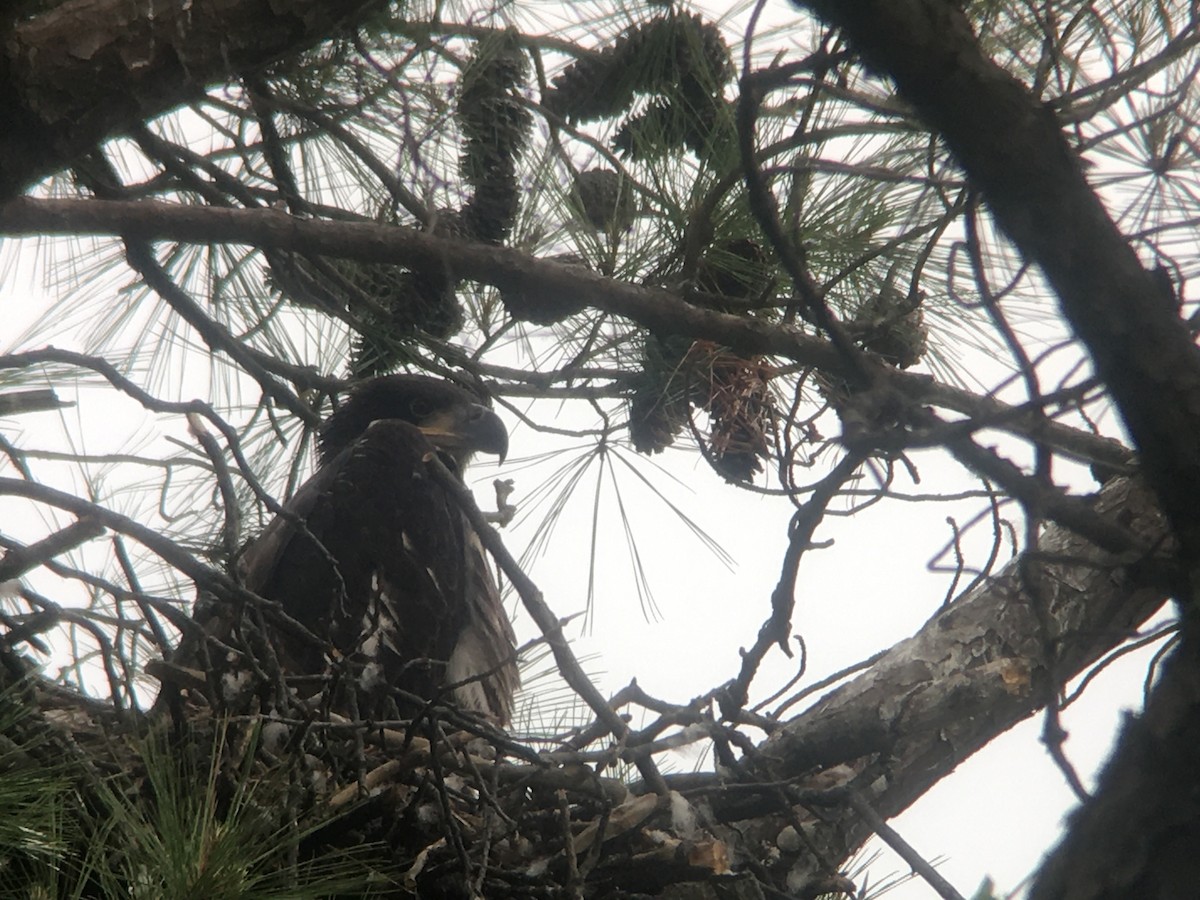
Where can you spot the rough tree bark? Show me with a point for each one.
(85, 70)
(971, 673)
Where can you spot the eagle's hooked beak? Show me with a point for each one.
(471, 429)
(486, 432)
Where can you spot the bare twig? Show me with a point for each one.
(261, 367)
(231, 530)
(205, 576)
(13, 403)
(574, 882)
(18, 561)
(775, 630)
(161, 640)
(903, 849)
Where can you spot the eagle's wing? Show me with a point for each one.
(262, 555)
(218, 619)
(483, 661)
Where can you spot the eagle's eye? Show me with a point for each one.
(419, 409)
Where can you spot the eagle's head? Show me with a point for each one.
(453, 419)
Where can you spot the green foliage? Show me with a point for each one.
(39, 823)
(165, 825)
(185, 829)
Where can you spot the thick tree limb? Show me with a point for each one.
(84, 70)
(508, 269)
(1138, 835)
(971, 673)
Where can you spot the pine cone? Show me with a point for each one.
(540, 307)
(605, 199)
(893, 327)
(495, 125)
(680, 58)
(658, 409)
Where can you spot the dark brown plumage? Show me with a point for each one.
(375, 557)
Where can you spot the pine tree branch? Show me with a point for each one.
(550, 624)
(654, 308)
(19, 560)
(205, 576)
(1134, 837)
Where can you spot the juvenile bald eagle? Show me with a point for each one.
(376, 557)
